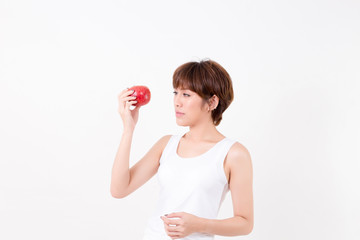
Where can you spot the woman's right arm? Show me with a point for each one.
(124, 180)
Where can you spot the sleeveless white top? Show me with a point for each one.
(195, 185)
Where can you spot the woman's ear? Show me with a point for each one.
(213, 102)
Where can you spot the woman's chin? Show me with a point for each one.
(181, 123)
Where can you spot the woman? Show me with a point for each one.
(195, 170)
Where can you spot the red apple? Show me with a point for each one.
(142, 94)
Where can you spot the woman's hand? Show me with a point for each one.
(128, 116)
(186, 224)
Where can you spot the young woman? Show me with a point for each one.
(195, 170)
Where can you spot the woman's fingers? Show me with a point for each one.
(171, 227)
(125, 93)
(171, 231)
(129, 115)
(126, 105)
(128, 98)
(172, 221)
(124, 90)
(125, 99)
(129, 103)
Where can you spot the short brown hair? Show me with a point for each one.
(206, 78)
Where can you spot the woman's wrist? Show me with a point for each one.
(203, 224)
(128, 130)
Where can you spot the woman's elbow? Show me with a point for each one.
(250, 229)
(117, 194)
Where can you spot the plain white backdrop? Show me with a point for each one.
(295, 71)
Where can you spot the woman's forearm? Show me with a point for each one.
(234, 226)
(120, 175)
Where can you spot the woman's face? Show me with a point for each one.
(190, 108)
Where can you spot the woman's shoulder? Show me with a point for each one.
(165, 139)
(238, 153)
(163, 142)
(160, 144)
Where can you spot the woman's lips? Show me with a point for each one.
(179, 114)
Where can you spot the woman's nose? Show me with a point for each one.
(177, 101)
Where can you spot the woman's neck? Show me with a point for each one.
(202, 133)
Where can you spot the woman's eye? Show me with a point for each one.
(184, 94)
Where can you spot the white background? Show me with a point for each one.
(295, 70)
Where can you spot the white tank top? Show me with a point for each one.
(195, 185)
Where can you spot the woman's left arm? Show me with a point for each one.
(240, 184)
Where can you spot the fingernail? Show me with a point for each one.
(166, 214)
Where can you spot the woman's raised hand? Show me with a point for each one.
(129, 117)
